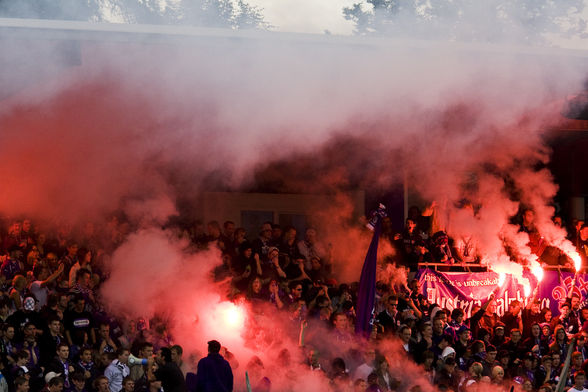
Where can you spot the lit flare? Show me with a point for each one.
(527, 289)
(501, 279)
(577, 261)
(537, 270)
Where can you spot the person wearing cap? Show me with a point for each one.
(51, 375)
(214, 372)
(56, 384)
(498, 337)
(464, 336)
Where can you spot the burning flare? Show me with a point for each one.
(501, 278)
(527, 289)
(229, 318)
(577, 260)
(537, 270)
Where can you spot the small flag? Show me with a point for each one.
(367, 283)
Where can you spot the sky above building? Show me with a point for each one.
(306, 16)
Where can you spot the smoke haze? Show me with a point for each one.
(138, 125)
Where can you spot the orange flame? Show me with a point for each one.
(538, 272)
(577, 260)
(527, 289)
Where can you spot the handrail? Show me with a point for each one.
(466, 267)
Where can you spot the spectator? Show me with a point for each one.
(118, 370)
(84, 260)
(214, 372)
(61, 363)
(43, 278)
(579, 380)
(78, 382)
(168, 372)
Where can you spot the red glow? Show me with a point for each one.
(230, 317)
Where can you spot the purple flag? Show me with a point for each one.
(367, 283)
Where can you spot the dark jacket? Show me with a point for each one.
(171, 377)
(214, 374)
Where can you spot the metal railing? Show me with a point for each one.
(478, 267)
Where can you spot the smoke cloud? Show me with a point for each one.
(141, 125)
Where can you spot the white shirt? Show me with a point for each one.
(116, 372)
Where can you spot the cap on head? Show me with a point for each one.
(49, 376)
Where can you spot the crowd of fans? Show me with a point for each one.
(56, 336)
